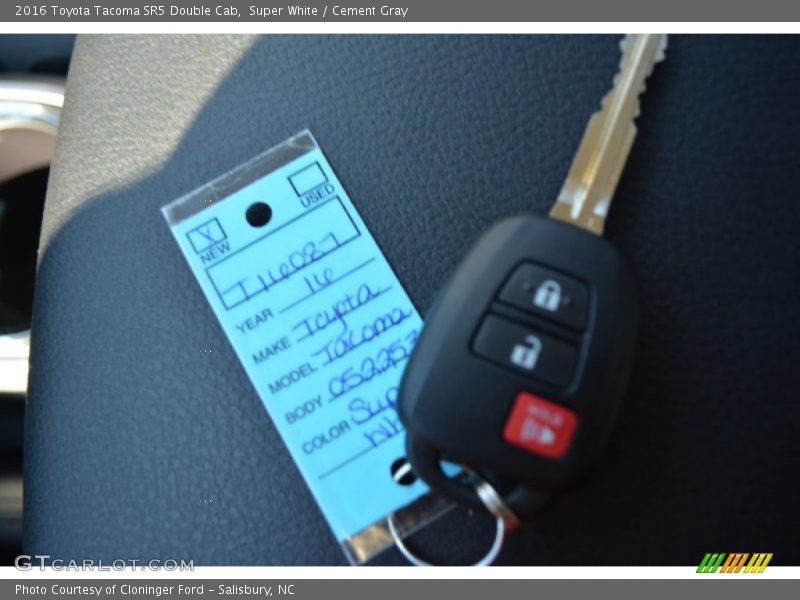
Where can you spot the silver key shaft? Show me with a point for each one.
(587, 192)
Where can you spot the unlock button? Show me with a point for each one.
(547, 293)
(525, 351)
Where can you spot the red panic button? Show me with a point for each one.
(539, 426)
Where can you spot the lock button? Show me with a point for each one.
(547, 293)
(525, 351)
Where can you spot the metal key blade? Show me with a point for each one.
(586, 195)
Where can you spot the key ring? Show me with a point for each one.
(505, 518)
(426, 462)
(495, 505)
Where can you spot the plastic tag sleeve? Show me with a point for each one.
(321, 325)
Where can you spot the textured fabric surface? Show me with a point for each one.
(130, 426)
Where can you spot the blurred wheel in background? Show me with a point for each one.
(32, 71)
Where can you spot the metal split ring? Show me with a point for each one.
(506, 521)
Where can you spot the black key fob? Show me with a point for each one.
(522, 363)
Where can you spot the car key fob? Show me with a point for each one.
(523, 361)
(521, 366)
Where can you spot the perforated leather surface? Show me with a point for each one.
(130, 427)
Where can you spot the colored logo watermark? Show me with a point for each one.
(734, 562)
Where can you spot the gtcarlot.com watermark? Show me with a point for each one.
(26, 562)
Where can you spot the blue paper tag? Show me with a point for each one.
(317, 317)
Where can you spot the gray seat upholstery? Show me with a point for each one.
(130, 426)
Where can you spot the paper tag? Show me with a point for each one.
(317, 317)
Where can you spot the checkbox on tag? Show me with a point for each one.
(206, 235)
(307, 179)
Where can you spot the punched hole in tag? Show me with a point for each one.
(258, 214)
(401, 472)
